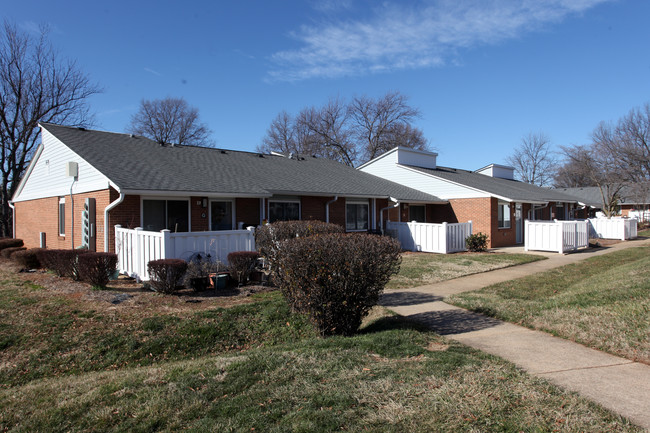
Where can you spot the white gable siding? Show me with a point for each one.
(48, 179)
(416, 158)
(388, 168)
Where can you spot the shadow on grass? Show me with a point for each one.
(396, 299)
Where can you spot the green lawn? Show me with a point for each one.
(78, 366)
(644, 233)
(419, 269)
(602, 302)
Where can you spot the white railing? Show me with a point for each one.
(137, 247)
(614, 228)
(431, 238)
(559, 236)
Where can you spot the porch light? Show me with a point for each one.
(205, 202)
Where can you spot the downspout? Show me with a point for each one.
(533, 209)
(13, 219)
(381, 212)
(327, 208)
(107, 228)
(74, 179)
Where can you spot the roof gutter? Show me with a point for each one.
(107, 228)
(327, 208)
(381, 212)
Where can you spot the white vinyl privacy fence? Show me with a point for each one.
(137, 247)
(614, 228)
(431, 238)
(557, 236)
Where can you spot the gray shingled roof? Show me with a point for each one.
(513, 190)
(590, 195)
(140, 164)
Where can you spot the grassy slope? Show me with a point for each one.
(420, 269)
(603, 302)
(66, 367)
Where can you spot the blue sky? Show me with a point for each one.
(483, 73)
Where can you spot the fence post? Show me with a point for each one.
(167, 247)
(444, 238)
(137, 253)
(561, 236)
(471, 231)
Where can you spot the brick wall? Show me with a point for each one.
(199, 215)
(42, 215)
(313, 208)
(248, 211)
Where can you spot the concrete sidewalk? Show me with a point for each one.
(618, 384)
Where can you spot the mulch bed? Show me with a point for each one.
(127, 293)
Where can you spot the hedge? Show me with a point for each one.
(96, 268)
(10, 243)
(28, 259)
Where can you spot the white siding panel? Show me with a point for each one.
(388, 169)
(416, 158)
(48, 178)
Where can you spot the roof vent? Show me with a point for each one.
(260, 155)
(81, 128)
(223, 151)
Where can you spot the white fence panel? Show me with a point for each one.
(217, 243)
(560, 236)
(137, 247)
(614, 228)
(431, 238)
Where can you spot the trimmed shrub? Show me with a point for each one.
(166, 274)
(336, 278)
(269, 236)
(96, 268)
(241, 264)
(62, 262)
(28, 259)
(477, 242)
(7, 252)
(10, 243)
(199, 269)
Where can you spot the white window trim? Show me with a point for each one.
(283, 200)
(167, 198)
(418, 205)
(501, 203)
(233, 223)
(58, 213)
(347, 202)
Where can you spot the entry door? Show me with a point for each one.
(519, 223)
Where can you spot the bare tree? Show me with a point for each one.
(592, 163)
(351, 133)
(376, 123)
(170, 120)
(36, 85)
(571, 175)
(533, 161)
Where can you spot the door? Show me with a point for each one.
(519, 223)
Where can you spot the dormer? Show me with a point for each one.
(496, 170)
(416, 158)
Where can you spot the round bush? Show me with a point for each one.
(165, 275)
(241, 264)
(477, 242)
(336, 278)
(28, 259)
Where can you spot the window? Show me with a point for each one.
(504, 215)
(284, 211)
(221, 215)
(417, 214)
(165, 214)
(62, 216)
(356, 216)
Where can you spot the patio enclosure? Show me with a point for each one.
(614, 228)
(557, 236)
(431, 238)
(137, 247)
